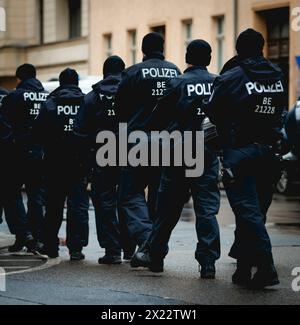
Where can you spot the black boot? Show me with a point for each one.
(208, 271)
(77, 256)
(110, 260)
(17, 246)
(141, 258)
(127, 256)
(45, 251)
(156, 265)
(31, 244)
(243, 274)
(266, 276)
(21, 242)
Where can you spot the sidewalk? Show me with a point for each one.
(89, 283)
(5, 239)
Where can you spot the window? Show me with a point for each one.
(132, 47)
(108, 45)
(278, 37)
(160, 30)
(220, 39)
(187, 32)
(41, 20)
(187, 28)
(74, 18)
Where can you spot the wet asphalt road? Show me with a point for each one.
(61, 282)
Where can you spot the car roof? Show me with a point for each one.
(85, 84)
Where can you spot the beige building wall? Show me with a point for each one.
(117, 17)
(22, 40)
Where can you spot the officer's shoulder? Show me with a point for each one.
(230, 75)
(91, 96)
(50, 104)
(171, 65)
(14, 92)
(132, 69)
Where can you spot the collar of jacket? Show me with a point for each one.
(196, 67)
(30, 84)
(154, 55)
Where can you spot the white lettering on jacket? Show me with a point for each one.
(40, 97)
(199, 89)
(255, 87)
(159, 73)
(67, 110)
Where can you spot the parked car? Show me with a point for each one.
(290, 177)
(85, 84)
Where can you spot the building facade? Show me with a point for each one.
(117, 26)
(53, 34)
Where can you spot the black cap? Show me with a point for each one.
(198, 53)
(69, 77)
(26, 71)
(153, 43)
(250, 43)
(113, 65)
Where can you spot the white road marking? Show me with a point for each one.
(36, 260)
(15, 267)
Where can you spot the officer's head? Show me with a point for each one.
(153, 43)
(198, 53)
(113, 65)
(25, 71)
(69, 77)
(250, 43)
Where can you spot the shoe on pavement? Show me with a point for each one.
(77, 256)
(17, 246)
(156, 265)
(265, 277)
(51, 253)
(140, 259)
(127, 257)
(110, 260)
(208, 271)
(242, 275)
(20, 243)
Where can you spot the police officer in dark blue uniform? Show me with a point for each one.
(20, 109)
(4, 132)
(65, 172)
(13, 207)
(174, 113)
(97, 114)
(247, 105)
(141, 87)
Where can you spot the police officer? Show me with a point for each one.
(97, 114)
(65, 173)
(13, 207)
(174, 113)
(20, 109)
(141, 87)
(4, 128)
(247, 106)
